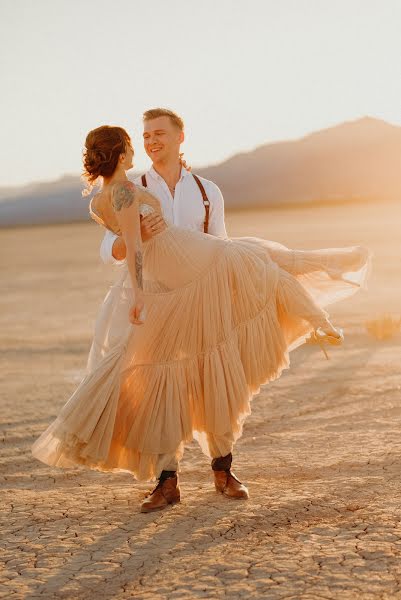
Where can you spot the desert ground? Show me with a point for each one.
(321, 452)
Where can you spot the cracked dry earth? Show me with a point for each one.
(321, 452)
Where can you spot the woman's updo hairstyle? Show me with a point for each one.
(103, 147)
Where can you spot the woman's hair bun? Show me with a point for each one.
(103, 147)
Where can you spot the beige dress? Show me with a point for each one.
(221, 318)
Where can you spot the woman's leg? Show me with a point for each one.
(330, 260)
(295, 300)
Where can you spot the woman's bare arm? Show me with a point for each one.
(125, 204)
(150, 226)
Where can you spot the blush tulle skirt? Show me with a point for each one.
(221, 319)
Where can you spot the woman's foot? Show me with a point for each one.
(329, 332)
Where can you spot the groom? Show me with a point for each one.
(192, 203)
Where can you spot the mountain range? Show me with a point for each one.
(354, 161)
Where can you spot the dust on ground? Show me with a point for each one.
(320, 453)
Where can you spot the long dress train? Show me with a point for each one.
(222, 317)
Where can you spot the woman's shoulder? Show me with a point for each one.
(123, 194)
(125, 185)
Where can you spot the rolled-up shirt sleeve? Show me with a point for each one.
(217, 224)
(106, 248)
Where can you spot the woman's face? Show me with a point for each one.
(128, 161)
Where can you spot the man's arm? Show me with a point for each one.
(112, 249)
(217, 224)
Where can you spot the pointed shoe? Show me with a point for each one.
(318, 336)
(323, 337)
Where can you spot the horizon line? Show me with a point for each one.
(366, 117)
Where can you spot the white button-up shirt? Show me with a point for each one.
(185, 209)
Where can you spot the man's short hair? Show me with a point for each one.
(154, 113)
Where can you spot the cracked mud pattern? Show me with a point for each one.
(321, 453)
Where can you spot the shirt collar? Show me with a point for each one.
(157, 177)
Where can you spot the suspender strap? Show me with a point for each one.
(205, 199)
(206, 202)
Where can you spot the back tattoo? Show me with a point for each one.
(123, 195)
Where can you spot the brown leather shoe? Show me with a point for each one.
(164, 494)
(228, 484)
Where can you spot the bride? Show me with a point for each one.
(188, 333)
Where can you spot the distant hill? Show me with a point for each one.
(356, 160)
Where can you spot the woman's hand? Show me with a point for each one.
(150, 225)
(137, 308)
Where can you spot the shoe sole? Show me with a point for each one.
(235, 497)
(146, 510)
(231, 497)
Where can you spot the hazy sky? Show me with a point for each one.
(240, 73)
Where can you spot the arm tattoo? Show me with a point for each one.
(123, 195)
(138, 268)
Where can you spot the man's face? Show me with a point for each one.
(162, 139)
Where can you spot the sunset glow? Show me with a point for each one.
(240, 74)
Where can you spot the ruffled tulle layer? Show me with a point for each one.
(221, 319)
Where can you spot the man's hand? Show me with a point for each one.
(150, 225)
